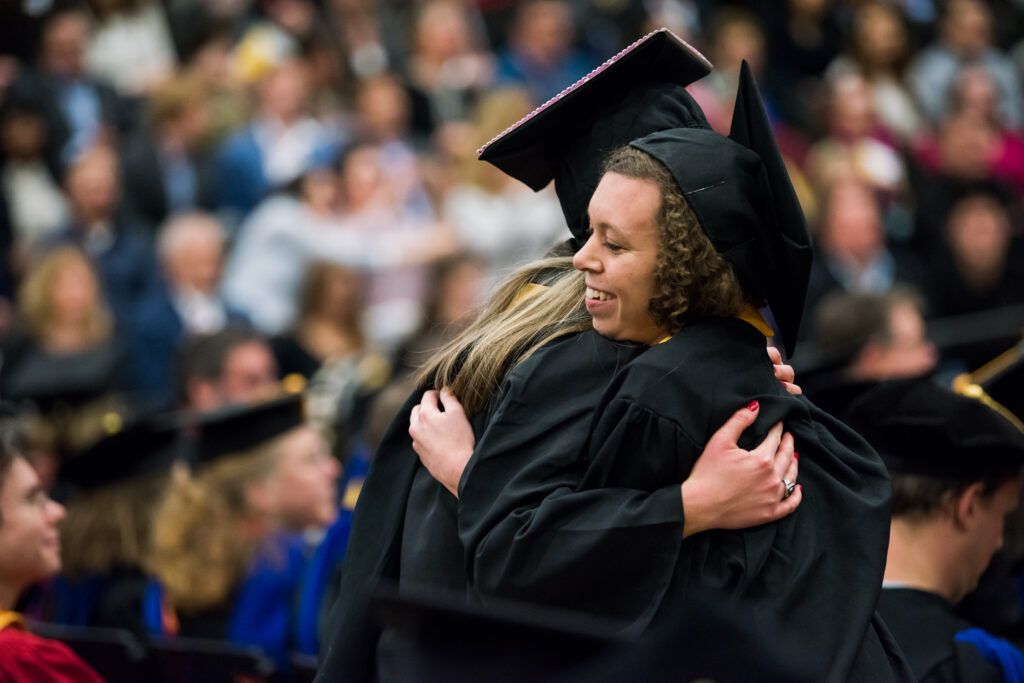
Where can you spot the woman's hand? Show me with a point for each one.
(784, 373)
(443, 439)
(730, 488)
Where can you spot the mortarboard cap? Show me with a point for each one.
(238, 428)
(146, 445)
(740, 191)
(921, 428)
(636, 92)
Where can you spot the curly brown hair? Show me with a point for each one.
(692, 280)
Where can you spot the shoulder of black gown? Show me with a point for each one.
(925, 624)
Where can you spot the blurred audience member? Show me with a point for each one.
(956, 475)
(115, 486)
(225, 368)
(852, 251)
(974, 120)
(264, 273)
(123, 257)
(399, 242)
(131, 45)
(863, 339)
(29, 553)
(65, 348)
(80, 111)
(983, 265)
(34, 200)
(880, 50)
(279, 145)
(540, 55)
(190, 249)
(328, 326)
(854, 144)
(166, 171)
(498, 218)
(223, 570)
(448, 64)
(803, 38)
(733, 34)
(964, 38)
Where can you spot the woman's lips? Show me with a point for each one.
(597, 300)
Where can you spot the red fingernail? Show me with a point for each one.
(796, 456)
(753, 406)
(801, 487)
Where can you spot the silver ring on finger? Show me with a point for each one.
(790, 487)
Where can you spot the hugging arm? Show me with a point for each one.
(530, 531)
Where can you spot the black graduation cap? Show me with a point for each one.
(738, 185)
(921, 428)
(638, 91)
(740, 191)
(145, 445)
(238, 428)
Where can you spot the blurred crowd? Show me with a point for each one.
(200, 199)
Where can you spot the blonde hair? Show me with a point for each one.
(198, 550)
(109, 527)
(34, 297)
(509, 330)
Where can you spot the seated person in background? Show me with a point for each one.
(226, 567)
(956, 474)
(228, 367)
(863, 339)
(115, 486)
(29, 552)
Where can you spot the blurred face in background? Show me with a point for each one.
(194, 255)
(852, 227)
(29, 537)
(22, 135)
(880, 36)
(967, 27)
(64, 43)
(851, 107)
(979, 235)
(250, 371)
(544, 30)
(74, 292)
(284, 91)
(93, 185)
(307, 480)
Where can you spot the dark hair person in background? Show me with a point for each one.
(956, 475)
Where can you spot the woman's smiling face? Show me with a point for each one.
(620, 258)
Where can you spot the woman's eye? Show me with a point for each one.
(612, 247)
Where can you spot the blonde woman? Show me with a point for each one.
(222, 569)
(65, 346)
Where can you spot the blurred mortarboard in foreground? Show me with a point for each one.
(145, 445)
(238, 428)
(638, 91)
(921, 428)
(999, 384)
(441, 638)
(740, 191)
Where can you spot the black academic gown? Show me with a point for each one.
(818, 571)
(924, 625)
(602, 531)
(404, 528)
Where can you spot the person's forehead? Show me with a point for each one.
(19, 479)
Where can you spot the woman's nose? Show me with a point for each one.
(584, 258)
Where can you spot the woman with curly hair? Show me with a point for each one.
(688, 233)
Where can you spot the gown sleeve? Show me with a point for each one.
(531, 534)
